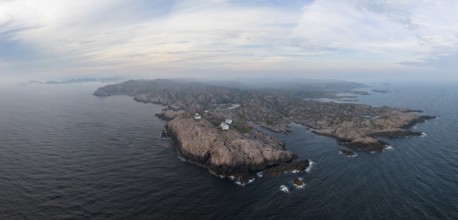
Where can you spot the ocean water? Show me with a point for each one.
(65, 154)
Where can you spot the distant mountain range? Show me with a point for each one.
(74, 80)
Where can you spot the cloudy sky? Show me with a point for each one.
(60, 38)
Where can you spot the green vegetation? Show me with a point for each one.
(214, 121)
(242, 129)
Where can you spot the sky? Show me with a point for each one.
(220, 38)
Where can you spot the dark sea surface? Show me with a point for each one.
(66, 154)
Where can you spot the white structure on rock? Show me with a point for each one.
(224, 126)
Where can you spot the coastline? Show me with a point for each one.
(356, 126)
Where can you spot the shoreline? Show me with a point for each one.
(243, 149)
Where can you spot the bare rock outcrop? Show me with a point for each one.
(167, 115)
(286, 167)
(226, 152)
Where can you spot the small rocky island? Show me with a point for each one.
(214, 125)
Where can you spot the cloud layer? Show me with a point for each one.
(140, 36)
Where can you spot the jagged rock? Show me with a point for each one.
(298, 183)
(167, 115)
(225, 152)
(396, 133)
(367, 144)
(289, 167)
(347, 153)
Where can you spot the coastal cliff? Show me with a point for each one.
(226, 152)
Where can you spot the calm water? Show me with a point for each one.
(65, 154)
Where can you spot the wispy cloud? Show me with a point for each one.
(118, 36)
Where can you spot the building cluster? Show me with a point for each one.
(224, 125)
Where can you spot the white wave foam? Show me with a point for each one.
(310, 166)
(284, 188)
(260, 174)
(389, 148)
(214, 174)
(239, 183)
(353, 155)
(181, 158)
(423, 134)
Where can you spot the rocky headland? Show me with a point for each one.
(226, 152)
(242, 149)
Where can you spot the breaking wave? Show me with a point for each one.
(181, 159)
(284, 188)
(310, 166)
(389, 148)
(240, 183)
(353, 155)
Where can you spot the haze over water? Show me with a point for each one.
(65, 153)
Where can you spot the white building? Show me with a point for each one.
(197, 116)
(224, 126)
(228, 121)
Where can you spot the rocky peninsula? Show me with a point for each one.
(226, 152)
(205, 141)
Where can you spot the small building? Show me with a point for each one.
(228, 121)
(197, 116)
(224, 126)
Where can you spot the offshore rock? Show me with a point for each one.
(347, 153)
(298, 183)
